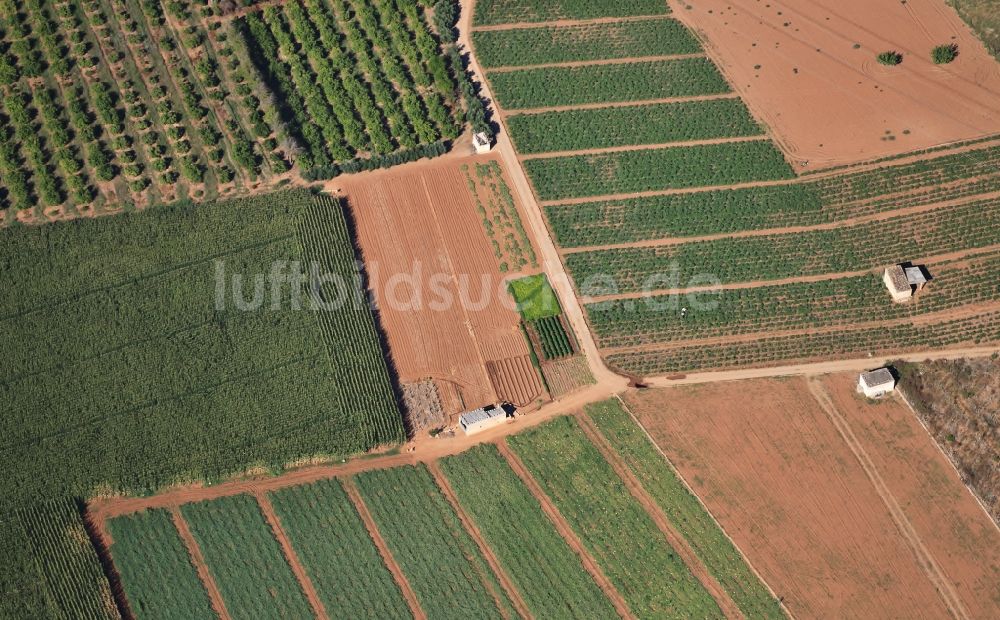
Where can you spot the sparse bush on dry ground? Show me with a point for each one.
(890, 58)
(959, 402)
(943, 54)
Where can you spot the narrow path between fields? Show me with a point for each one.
(924, 556)
(290, 556)
(564, 529)
(484, 548)
(199, 564)
(677, 541)
(571, 64)
(566, 22)
(383, 549)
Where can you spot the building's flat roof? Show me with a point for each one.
(481, 414)
(914, 275)
(882, 376)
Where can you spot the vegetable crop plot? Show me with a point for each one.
(506, 11)
(535, 297)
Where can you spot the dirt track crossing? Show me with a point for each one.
(566, 531)
(924, 557)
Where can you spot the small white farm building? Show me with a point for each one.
(481, 140)
(876, 383)
(482, 419)
(903, 281)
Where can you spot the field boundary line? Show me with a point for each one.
(900, 392)
(566, 531)
(383, 549)
(600, 105)
(697, 497)
(579, 200)
(264, 502)
(194, 550)
(643, 147)
(678, 542)
(570, 64)
(470, 526)
(563, 23)
(859, 220)
(924, 557)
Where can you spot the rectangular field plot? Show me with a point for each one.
(656, 169)
(637, 81)
(685, 512)
(510, 11)
(114, 342)
(549, 44)
(155, 567)
(979, 330)
(612, 525)
(245, 559)
(851, 248)
(541, 564)
(337, 551)
(441, 561)
(829, 303)
(72, 578)
(573, 130)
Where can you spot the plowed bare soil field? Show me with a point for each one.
(437, 284)
(831, 508)
(808, 70)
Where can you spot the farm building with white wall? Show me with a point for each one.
(482, 419)
(876, 383)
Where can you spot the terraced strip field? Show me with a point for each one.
(606, 83)
(582, 42)
(685, 511)
(73, 580)
(846, 249)
(613, 526)
(633, 125)
(245, 560)
(541, 564)
(337, 552)
(441, 561)
(769, 351)
(508, 11)
(805, 305)
(155, 567)
(555, 341)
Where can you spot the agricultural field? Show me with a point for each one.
(93, 122)
(496, 206)
(552, 334)
(534, 297)
(541, 564)
(785, 466)
(957, 403)
(611, 523)
(504, 11)
(244, 558)
(428, 541)
(115, 342)
(155, 567)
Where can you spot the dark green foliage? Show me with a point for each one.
(555, 341)
(944, 54)
(890, 58)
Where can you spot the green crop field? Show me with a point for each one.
(644, 170)
(574, 130)
(508, 11)
(613, 526)
(846, 249)
(541, 564)
(979, 330)
(245, 559)
(559, 86)
(550, 44)
(804, 305)
(155, 567)
(555, 341)
(72, 580)
(336, 551)
(441, 561)
(535, 297)
(685, 512)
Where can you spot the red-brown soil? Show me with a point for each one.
(808, 70)
(774, 470)
(439, 291)
(218, 605)
(953, 526)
